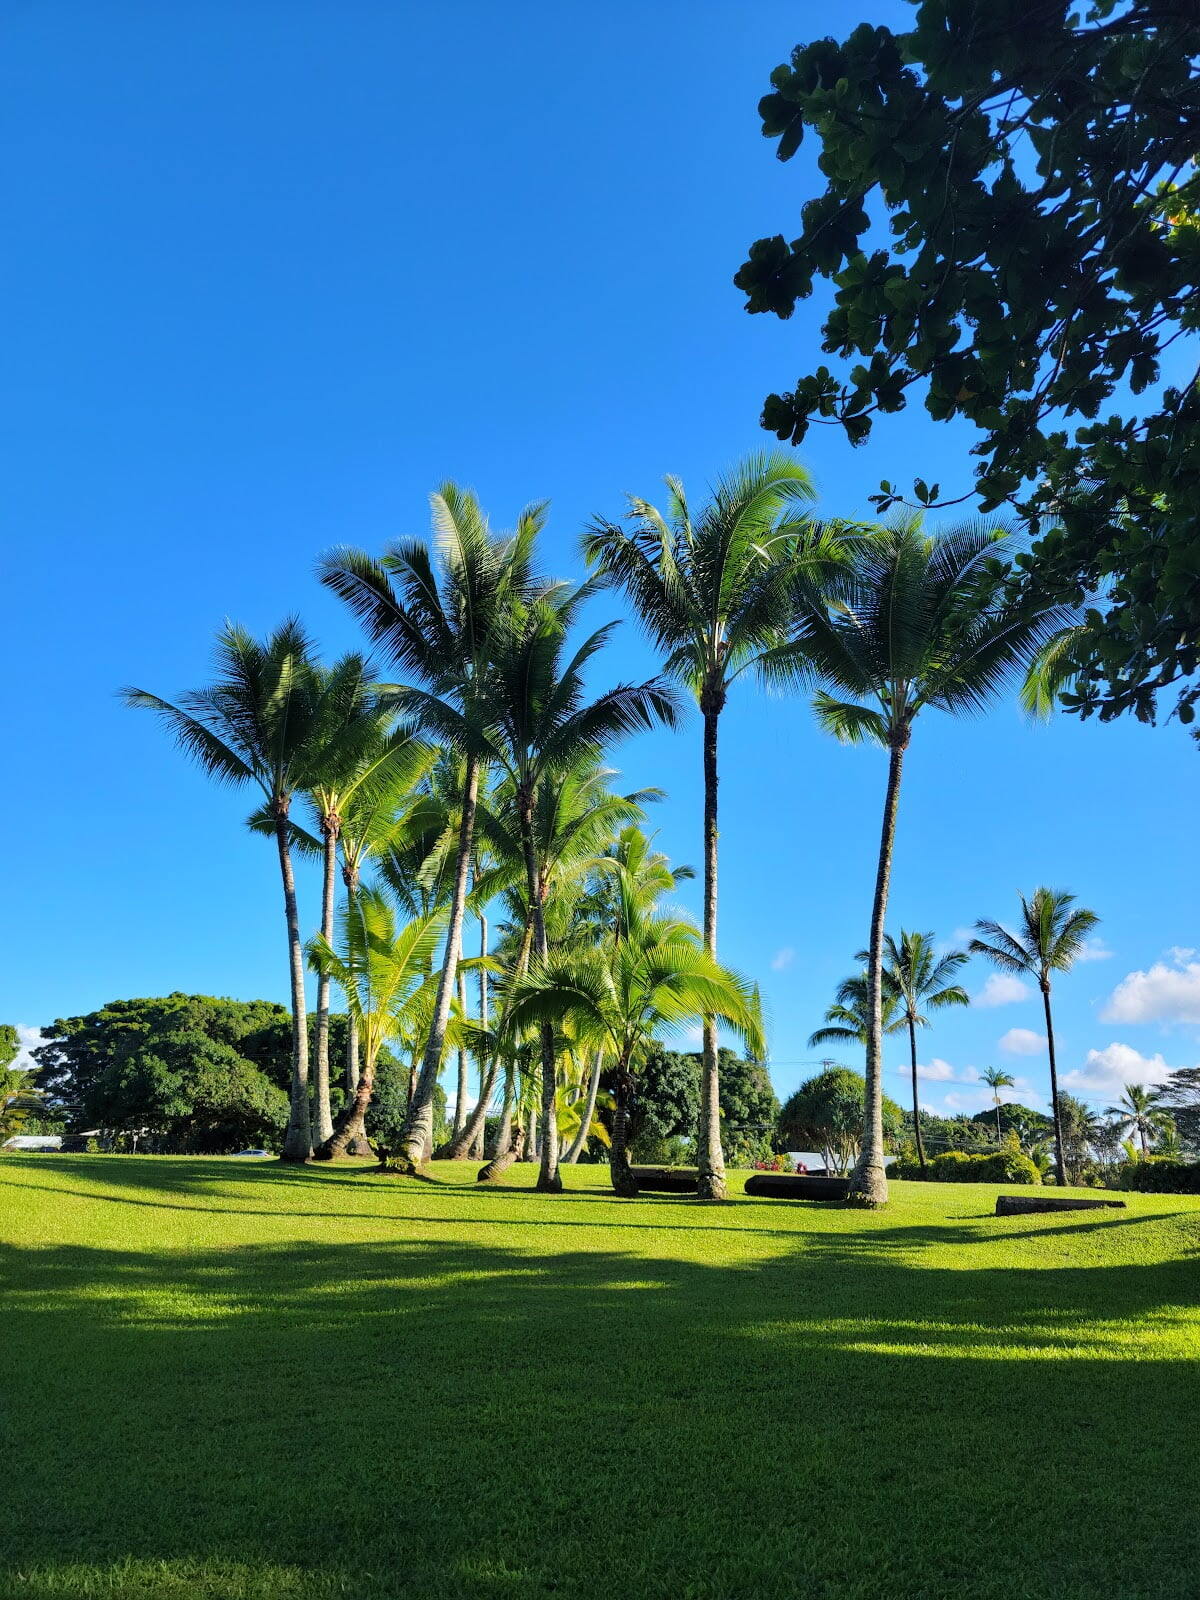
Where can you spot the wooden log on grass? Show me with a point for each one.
(797, 1186)
(666, 1180)
(1024, 1205)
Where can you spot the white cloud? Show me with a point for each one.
(1023, 1042)
(1002, 989)
(961, 938)
(1094, 949)
(28, 1039)
(1181, 954)
(1107, 1071)
(782, 959)
(971, 1099)
(1163, 994)
(938, 1071)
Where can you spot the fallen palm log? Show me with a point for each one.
(797, 1186)
(666, 1180)
(1024, 1205)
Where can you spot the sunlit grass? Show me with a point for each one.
(225, 1379)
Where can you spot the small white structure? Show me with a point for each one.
(32, 1141)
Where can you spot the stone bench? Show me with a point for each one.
(1024, 1205)
(797, 1186)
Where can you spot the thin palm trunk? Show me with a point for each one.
(297, 1144)
(999, 1135)
(464, 1084)
(505, 1152)
(323, 1115)
(487, 1065)
(549, 1180)
(1060, 1169)
(623, 1181)
(349, 1136)
(710, 1181)
(868, 1181)
(417, 1138)
(589, 1111)
(358, 1144)
(473, 1131)
(912, 1041)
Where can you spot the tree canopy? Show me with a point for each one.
(1009, 224)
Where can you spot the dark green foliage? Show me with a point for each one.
(389, 1104)
(1009, 221)
(1007, 1165)
(668, 1099)
(1030, 1126)
(826, 1113)
(1157, 1175)
(186, 1073)
(1181, 1095)
(10, 1045)
(666, 1104)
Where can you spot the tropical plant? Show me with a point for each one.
(440, 617)
(1140, 1111)
(916, 976)
(996, 1079)
(619, 998)
(545, 728)
(825, 1113)
(264, 720)
(714, 593)
(19, 1100)
(385, 973)
(1048, 939)
(1082, 1132)
(922, 621)
(848, 1019)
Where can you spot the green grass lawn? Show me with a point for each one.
(229, 1379)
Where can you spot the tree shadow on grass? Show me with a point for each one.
(845, 1418)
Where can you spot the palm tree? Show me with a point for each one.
(441, 620)
(1049, 938)
(545, 728)
(19, 1100)
(1140, 1111)
(916, 977)
(384, 972)
(262, 721)
(848, 1019)
(922, 620)
(621, 997)
(996, 1079)
(714, 593)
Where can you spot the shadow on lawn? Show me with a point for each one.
(846, 1417)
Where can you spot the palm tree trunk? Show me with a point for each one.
(549, 1180)
(487, 1067)
(349, 1136)
(868, 1181)
(710, 1180)
(464, 1085)
(623, 1181)
(999, 1135)
(350, 879)
(507, 1146)
(297, 1143)
(912, 1041)
(1060, 1168)
(323, 1120)
(589, 1111)
(417, 1136)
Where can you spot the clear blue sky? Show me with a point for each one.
(274, 270)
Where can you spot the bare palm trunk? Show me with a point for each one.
(868, 1181)
(623, 1181)
(1060, 1166)
(507, 1144)
(417, 1138)
(323, 1118)
(912, 1040)
(999, 1135)
(464, 1084)
(297, 1143)
(549, 1180)
(350, 879)
(487, 1066)
(504, 1153)
(589, 1111)
(349, 1136)
(710, 1181)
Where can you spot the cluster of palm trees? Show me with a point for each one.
(1049, 937)
(475, 774)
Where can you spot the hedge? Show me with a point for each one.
(956, 1166)
(1160, 1175)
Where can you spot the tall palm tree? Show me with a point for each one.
(714, 592)
(915, 975)
(621, 997)
(1048, 939)
(996, 1079)
(545, 728)
(262, 721)
(384, 972)
(922, 620)
(1140, 1110)
(440, 618)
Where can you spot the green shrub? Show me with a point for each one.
(1159, 1175)
(1006, 1165)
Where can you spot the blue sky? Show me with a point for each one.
(275, 270)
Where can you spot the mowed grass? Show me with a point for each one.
(225, 1379)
